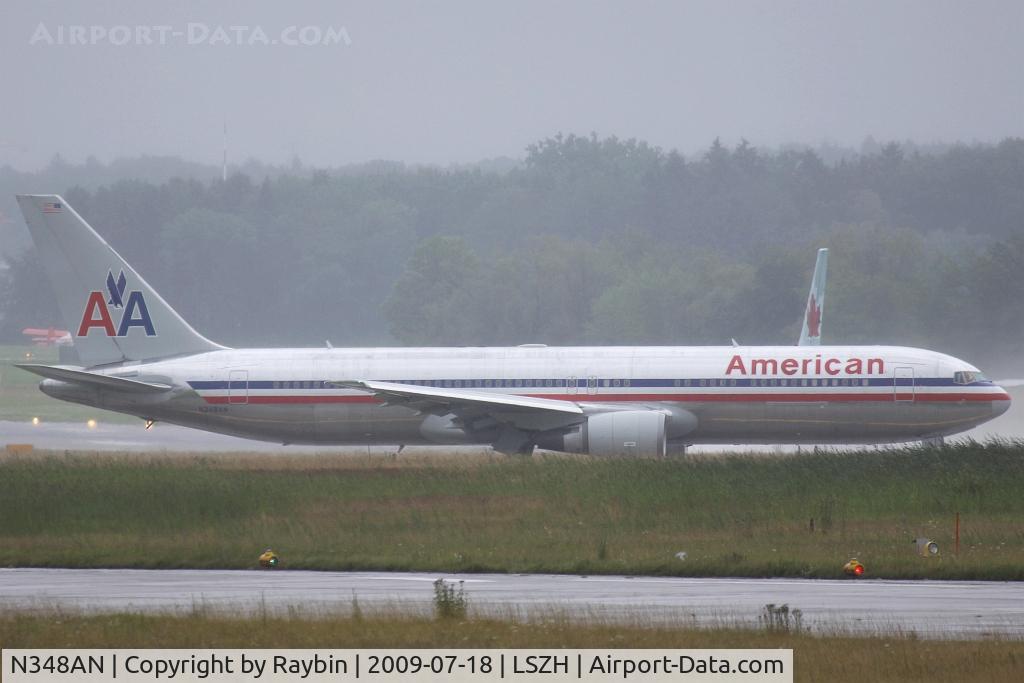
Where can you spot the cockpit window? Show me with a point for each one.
(968, 377)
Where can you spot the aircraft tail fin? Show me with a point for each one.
(112, 313)
(810, 333)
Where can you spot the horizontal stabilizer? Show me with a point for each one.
(76, 376)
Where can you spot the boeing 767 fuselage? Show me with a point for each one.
(141, 358)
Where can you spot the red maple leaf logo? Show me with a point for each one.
(813, 318)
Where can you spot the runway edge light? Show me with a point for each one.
(269, 559)
(854, 568)
(926, 547)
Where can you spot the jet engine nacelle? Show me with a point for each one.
(443, 429)
(639, 433)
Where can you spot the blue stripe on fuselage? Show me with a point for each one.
(604, 383)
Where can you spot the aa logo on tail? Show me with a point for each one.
(134, 312)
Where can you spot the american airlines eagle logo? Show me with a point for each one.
(98, 307)
(813, 317)
(116, 289)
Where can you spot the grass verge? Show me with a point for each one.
(739, 515)
(816, 658)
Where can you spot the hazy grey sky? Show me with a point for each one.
(459, 81)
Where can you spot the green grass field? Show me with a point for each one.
(816, 658)
(743, 515)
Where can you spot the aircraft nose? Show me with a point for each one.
(1001, 406)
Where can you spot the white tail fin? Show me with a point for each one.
(814, 314)
(112, 313)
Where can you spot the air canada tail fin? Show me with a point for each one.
(112, 313)
(810, 333)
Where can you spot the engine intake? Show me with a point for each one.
(636, 433)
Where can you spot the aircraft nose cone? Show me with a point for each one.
(1000, 407)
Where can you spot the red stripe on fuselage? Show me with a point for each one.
(241, 399)
(674, 398)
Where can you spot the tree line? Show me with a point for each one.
(587, 240)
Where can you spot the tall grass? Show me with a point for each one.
(744, 515)
(879, 659)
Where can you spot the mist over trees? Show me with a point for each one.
(587, 240)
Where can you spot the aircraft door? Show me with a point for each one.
(570, 385)
(592, 385)
(238, 387)
(903, 384)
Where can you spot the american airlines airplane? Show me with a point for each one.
(141, 358)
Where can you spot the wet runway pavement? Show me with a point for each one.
(127, 437)
(172, 438)
(929, 608)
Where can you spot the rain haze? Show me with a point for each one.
(457, 82)
(569, 173)
(471, 289)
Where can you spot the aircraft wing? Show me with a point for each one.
(526, 413)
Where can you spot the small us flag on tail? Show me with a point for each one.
(52, 207)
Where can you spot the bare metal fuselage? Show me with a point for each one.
(140, 357)
(737, 395)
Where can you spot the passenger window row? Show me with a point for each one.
(959, 378)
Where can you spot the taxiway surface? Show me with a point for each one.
(929, 608)
(172, 438)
